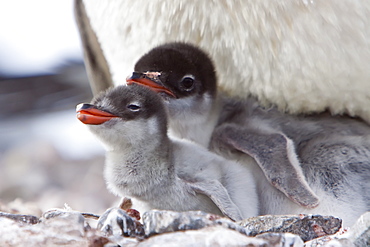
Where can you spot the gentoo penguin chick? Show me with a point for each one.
(185, 77)
(142, 162)
(331, 153)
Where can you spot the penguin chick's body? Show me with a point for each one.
(162, 173)
(320, 162)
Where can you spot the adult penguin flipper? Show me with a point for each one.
(275, 154)
(219, 195)
(97, 67)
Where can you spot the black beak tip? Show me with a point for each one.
(83, 106)
(136, 75)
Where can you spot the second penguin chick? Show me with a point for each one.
(162, 173)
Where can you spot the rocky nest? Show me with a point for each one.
(167, 228)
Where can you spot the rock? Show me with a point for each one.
(166, 228)
(20, 218)
(220, 236)
(157, 222)
(66, 222)
(306, 226)
(209, 236)
(356, 236)
(329, 242)
(56, 227)
(117, 222)
(281, 239)
(194, 228)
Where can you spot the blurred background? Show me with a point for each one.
(47, 157)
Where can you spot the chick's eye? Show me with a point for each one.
(187, 83)
(133, 107)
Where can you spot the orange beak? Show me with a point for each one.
(140, 79)
(89, 114)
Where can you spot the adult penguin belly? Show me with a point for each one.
(302, 56)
